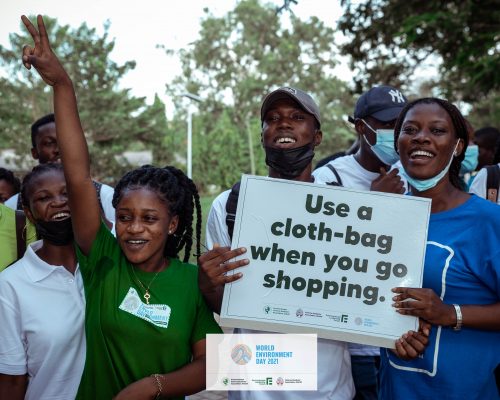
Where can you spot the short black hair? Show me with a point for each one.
(8, 176)
(459, 125)
(182, 199)
(46, 119)
(489, 135)
(28, 179)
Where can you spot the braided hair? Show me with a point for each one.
(459, 126)
(30, 177)
(181, 196)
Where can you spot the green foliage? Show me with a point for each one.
(389, 38)
(237, 59)
(113, 120)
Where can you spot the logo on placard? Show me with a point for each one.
(225, 381)
(358, 320)
(269, 381)
(241, 354)
(299, 313)
(280, 381)
(267, 309)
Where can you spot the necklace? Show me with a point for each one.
(146, 295)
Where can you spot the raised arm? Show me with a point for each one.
(85, 212)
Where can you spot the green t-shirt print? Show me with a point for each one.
(125, 346)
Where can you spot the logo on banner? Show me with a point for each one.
(299, 313)
(241, 354)
(280, 381)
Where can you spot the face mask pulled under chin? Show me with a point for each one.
(425, 184)
(289, 163)
(384, 148)
(58, 233)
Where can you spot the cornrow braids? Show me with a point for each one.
(459, 126)
(181, 196)
(30, 177)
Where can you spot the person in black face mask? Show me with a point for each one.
(42, 305)
(291, 125)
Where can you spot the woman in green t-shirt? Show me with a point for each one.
(146, 320)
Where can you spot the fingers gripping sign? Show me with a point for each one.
(215, 264)
(41, 55)
(423, 303)
(412, 344)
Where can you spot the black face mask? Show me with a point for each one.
(289, 163)
(58, 233)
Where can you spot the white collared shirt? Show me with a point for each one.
(42, 311)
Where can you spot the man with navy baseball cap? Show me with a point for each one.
(374, 119)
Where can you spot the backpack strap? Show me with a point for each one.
(20, 237)
(19, 205)
(337, 176)
(492, 182)
(231, 205)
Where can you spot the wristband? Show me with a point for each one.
(458, 311)
(157, 377)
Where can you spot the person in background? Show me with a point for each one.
(480, 184)
(485, 139)
(9, 185)
(45, 149)
(16, 232)
(461, 282)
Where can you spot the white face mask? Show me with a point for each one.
(425, 184)
(384, 148)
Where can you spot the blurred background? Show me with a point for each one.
(147, 71)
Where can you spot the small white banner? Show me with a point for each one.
(261, 362)
(324, 259)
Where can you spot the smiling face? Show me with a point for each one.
(286, 125)
(143, 223)
(46, 149)
(427, 141)
(48, 199)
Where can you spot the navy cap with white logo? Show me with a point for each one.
(380, 102)
(305, 101)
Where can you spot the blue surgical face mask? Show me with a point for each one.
(469, 163)
(425, 184)
(384, 148)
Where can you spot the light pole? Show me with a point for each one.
(190, 132)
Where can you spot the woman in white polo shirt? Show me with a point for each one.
(42, 307)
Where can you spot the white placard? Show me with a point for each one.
(261, 362)
(324, 259)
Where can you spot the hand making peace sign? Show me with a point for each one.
(41, 55)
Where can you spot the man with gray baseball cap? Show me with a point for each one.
(301, 98)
